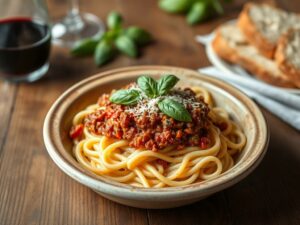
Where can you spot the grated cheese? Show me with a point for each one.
(149, 106)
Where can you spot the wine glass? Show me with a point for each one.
(76, 26)
(25, 41)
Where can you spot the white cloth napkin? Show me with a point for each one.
(280, 103)
(205, 39)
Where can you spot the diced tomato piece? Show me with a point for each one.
(119, 134)
(179, 134)
(76, 131)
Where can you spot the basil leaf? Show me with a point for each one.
(175, 110)
(175, 6)
(139, 35)
(148, 85)
(198, 13)
(111, 35)
(166, 83)
(84, 47)
(104, 52)
(127, 46)
(217, 6)
(114, 20)
(125, 97)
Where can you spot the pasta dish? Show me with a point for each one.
(152, 134)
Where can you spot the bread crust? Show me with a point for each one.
(223, 49)
(253, 36)
(282, 61)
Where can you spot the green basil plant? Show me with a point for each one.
(197, 11)
(153, 89)
(115, 39)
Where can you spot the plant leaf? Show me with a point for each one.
(127, 46)
(175, 110)
(111, 35)
(84, 47)
(148, 85)
(114, 20)
(198, 13)
(166, 83)
(104, 52)
(217, 6)
(125, 97)
(138, 35)
(175, 6)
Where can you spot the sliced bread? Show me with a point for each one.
(231, 45)
(287, 55)
(263, 25)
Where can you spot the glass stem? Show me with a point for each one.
(74, 7)
(73, 20)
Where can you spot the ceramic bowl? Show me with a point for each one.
(242, 109)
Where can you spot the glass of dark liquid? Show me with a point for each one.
(25, 41)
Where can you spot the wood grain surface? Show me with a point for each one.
(34, 191)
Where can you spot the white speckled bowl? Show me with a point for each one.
(241, 108)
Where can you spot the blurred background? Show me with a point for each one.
(34, 191)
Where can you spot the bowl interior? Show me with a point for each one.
(240, 108)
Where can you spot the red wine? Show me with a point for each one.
(24, 46)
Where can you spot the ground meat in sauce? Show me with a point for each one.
(153, 130)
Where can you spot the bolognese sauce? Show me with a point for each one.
(145, 127)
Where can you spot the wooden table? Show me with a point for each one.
(34, 191)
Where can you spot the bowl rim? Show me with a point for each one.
(126, 191)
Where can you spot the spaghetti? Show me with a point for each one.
(118, 159)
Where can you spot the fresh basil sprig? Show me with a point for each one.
(84, 47)
(197, 10)
(198, 13)
(114, 20)
(140, 36)
(148, 85)
(166, 83)
(175, 110)
(175, 6)
(125, 45)
(125, 97)
(115, 39)
(152, 89)
(104, 52)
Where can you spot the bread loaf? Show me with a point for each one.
(263, 25)
(287, 55)
(231, 45)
